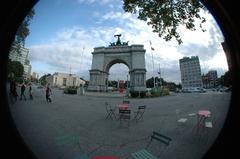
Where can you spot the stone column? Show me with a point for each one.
(97, 80)
(137, 80)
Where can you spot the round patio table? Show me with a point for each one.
(123, 106)
(205, 113)
(202, 115)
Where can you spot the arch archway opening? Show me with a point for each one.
(118, 72)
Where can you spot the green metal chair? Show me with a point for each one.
(144, 154)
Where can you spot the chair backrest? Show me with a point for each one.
(125, 114)
(107, 106)
(142, 107)
(162, 138)
(125, 111)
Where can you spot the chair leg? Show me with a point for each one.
(109, 116)
(149, 143)
(136, 117)
(140, 117)
(113, 115)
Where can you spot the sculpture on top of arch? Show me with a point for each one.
(132, 56)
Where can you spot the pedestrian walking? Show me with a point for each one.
(23, 88)
(48, 93)
(15, 94)
(30, 91)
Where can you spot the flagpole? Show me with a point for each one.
(160, 76)
(153, 65)
(81, 60)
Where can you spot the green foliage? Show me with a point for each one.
(43, 80)
(135, 94)
(113, 84)
(165, 16)
(23, 30)
(226, 79)
(143, 94)
(161, 82)
(171, 86)
(86, 84)
(150, 82)
(16, 69)
(71, 90)
(35, 80)
(159, 91)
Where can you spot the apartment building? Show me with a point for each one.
(22, 57)
(210, 80)
(190, 72)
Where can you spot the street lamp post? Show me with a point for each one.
(152, 64)
(127, 93)
(159, 72)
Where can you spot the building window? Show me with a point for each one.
(55, 81)
(64, 81)
(74, 81)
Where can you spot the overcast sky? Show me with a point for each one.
(63, 34)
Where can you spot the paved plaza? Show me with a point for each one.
(73, 125)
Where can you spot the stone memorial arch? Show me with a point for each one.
(118, 52)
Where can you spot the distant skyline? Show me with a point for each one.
(63, 34)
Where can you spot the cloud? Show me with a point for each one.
(66, 49)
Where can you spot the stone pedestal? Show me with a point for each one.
(98, 81)
(138, 80)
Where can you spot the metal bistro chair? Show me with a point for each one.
(124, 114)
(138, 115)
(143, 153)
(110, 111)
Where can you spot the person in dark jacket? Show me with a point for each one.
(48, 93)
(13, 90)
(30, 91)
(23, 88)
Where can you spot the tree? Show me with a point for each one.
(16, 69)
(43, 79)
(226, 79)
(23, 32)
(149, 83)
(113, 84)
(165, 16)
